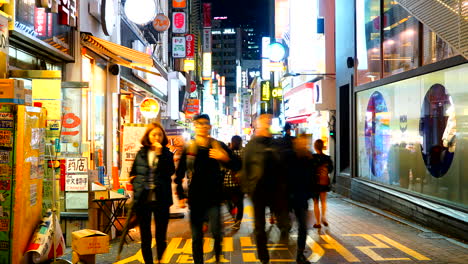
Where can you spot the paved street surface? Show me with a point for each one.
(354, 235)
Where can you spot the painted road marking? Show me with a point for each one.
(182, 249)
(377, 244)
(407, 250)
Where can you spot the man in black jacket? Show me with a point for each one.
(263, 179)
(202, 159)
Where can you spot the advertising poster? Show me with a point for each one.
(6, 171)
(132, 134)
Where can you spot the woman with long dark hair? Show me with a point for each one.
(152, 169)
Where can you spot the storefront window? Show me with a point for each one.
(435, 49)
(368, 40)
(400, 46)
(410, 134)
(38, 23)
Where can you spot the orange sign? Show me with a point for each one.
(161, 23)
(179, 3)
(149, 108)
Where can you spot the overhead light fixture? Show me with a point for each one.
(293, 74)
(140, 12)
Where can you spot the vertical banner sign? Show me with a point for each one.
(206, 14)
(207, 40)
(3, 46)
(265, 90)
(178, 47)
(40, 22)
(189, 45)
(178, 22)
(179, 3)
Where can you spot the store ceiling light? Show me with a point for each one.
(140, 11)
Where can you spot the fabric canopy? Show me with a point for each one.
(119, 54)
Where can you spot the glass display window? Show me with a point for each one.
(368, 39)
(411, 134)
(400, 39)
(434, 48)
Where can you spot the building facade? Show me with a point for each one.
(401, 111)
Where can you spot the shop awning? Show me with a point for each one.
(121, 55)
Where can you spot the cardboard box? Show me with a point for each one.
(72, 226)
(88, 259)
(99, 195)
(28, 97)
(88, 241)
(11, 91)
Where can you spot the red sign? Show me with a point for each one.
(67, 12)
(189, 45)
(40, 22)
(161, 23)
(193, 86)
(206, 14)
(193, 108)
(178, 21)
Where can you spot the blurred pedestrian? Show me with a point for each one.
(202, 159)
(262, 179)
(152, 171)
(301, 182)
(322, 183)
(233, 193)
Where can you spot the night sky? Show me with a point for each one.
(242, 11)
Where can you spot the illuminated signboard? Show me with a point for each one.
(178, 22)
(189, 65)
(178, 47)
(277, 92)
(190, 45)
(206, 71)
(149, 108)
(265, 90)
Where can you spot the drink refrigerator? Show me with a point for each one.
(22, 161)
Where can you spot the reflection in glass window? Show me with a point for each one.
(377, 136)
(400, 44)
(368, 40)
(435, 49)
(437, 128)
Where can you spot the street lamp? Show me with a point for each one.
(140, 12)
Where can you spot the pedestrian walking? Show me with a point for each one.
(263, 180)
(233, 193)
(202, 159)
(324, 166)
(152, 171)
(301, 185)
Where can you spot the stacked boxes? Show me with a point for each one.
(11, 91)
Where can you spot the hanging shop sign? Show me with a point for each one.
(178, 22)
(179, 3)
(207, 40)
(108, 17)
(161, 22)
(299, 101)
(189, 45)
(149, 108)
(206, 14)
(277, 92)
(178, 47)
(52, 5)
(189, 65)
(193, 86)
(193, 108)
(67, 11)
(265, 90)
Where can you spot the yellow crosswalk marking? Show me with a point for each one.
(228, 244)
(399, 246)
(333, 244)
(317, 250)
(246, 242)
(377, 244)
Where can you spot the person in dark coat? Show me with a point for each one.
(152, 171)
(202, 159)
(324, 166)
(233, 193)
(263, 179)
(303, 168)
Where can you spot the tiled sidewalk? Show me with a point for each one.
(355, 234)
